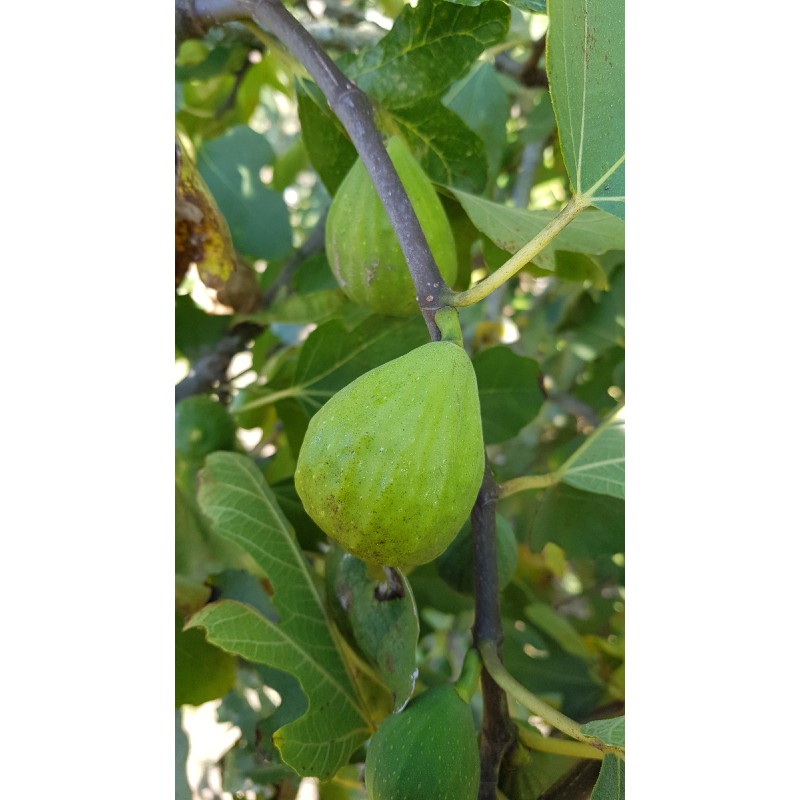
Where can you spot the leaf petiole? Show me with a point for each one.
(481, 290)
(536, 705)
(529, 482)
(561, 747)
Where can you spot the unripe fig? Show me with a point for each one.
(429, 750)
(391, 465)
(361, 244)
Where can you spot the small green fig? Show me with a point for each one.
(391, 465)
(429, 750)
(361, 244)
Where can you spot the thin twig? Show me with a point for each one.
(210, 370)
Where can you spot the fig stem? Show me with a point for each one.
(447, 321)
(498, 733)
(526, 482)
(467, 682)
(484, 288)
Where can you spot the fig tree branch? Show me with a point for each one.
(354, 110)
(498, 732)
(211, 369)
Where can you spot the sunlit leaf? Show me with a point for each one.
(586, 70)
(592, 231)
(599, 464)
(428, 48)
(448, 150)
(258, 218)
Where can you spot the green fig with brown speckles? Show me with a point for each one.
(429, 750)
(361, 244)
(391, 465)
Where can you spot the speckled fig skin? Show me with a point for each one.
(361, 244)
(427, 751)
(391, 465)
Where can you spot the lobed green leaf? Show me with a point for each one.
(586, 71)
(592, 232)
(598, 465)
(428, 48)
(242, 508)
(257, 217)
(508, 388)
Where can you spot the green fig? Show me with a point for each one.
(429, 750)
(361, 244)
(391, 465)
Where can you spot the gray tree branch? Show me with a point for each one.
(211, 370)
(498, 733)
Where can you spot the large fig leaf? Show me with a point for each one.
(257, 216)
(428, 48)
(592, 232)
(329, 147)
(586, 71)
(584, 524)
(599, 464)
(508, 387)
(448, 150)
(243, 509)
(481, 101)
(332, 357)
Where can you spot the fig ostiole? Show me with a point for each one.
(362, 247)
(391, 465)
